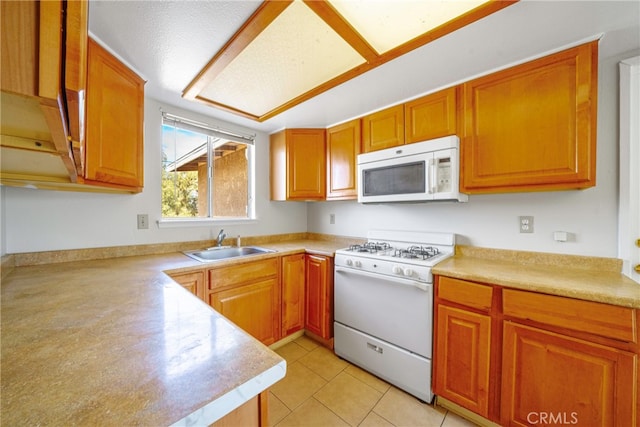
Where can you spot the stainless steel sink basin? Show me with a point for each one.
(216, 254)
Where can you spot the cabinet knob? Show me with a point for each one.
(637, 268)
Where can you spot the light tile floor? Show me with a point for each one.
(320, 389)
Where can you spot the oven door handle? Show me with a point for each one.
(407, 282)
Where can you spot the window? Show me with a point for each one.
(206, 172)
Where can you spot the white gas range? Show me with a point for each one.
(383, 299)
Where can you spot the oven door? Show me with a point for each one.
(393, 309)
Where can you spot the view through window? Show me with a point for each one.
(206, 173)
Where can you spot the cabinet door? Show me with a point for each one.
(306, 164)
(21, 25)
(193, 282)
(255, 308)
(574, 381)
(319, 296)
(532, 127)
(343, 147)
(114, 142)
(297, 164)
(462, 358)
(293, 302)
(432, 116)
(383, 129)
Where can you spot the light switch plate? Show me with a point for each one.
(143, 221)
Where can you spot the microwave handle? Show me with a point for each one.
(433, 186)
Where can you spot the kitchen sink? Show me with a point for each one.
(225, 252)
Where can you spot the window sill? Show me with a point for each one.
(202, 222)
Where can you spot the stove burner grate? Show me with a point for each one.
(370, 247)
(416, 252)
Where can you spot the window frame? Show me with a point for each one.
(212, 131)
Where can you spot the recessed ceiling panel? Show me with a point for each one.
(297, 52)
(289, 51)
(386, 25)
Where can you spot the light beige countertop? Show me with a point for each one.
(111, 339)
(117, 342)
(587, 278)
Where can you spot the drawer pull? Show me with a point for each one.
(375, 348)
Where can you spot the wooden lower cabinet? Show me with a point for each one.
(248, 294)
(521, 358)
(463, 354)
(254, 307)
(192, 281)
(573, 381)
(253, 413)
(293, 293)
(319, 297)
(272, 298)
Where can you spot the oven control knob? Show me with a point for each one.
(349, 262)
(358, 264)
(397, 270)
(408, 272)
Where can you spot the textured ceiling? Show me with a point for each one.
(169, 42)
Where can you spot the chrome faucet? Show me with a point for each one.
(221, 237)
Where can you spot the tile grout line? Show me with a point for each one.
(304, 352)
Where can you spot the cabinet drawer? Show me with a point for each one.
(240, 273)
(466, 293)
(596, 318)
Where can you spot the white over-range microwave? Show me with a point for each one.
(419, 172)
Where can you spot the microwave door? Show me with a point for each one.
(394, 180)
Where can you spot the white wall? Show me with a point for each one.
(3, 227)
(35, 220)
(590, 216)
(38, 220)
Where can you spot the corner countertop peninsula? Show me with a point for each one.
(118, 342)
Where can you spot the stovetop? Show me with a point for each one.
(419, 252)
(398, 250)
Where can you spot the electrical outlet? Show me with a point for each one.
(332, 218)
(526, 224)
(143, 221)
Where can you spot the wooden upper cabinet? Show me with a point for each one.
(383, 129)
(75, 80)
(432, 116)
(43, 78)
(343, 147)
(298, 164)
(532, 127)
(115, 116)
(21, 26)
